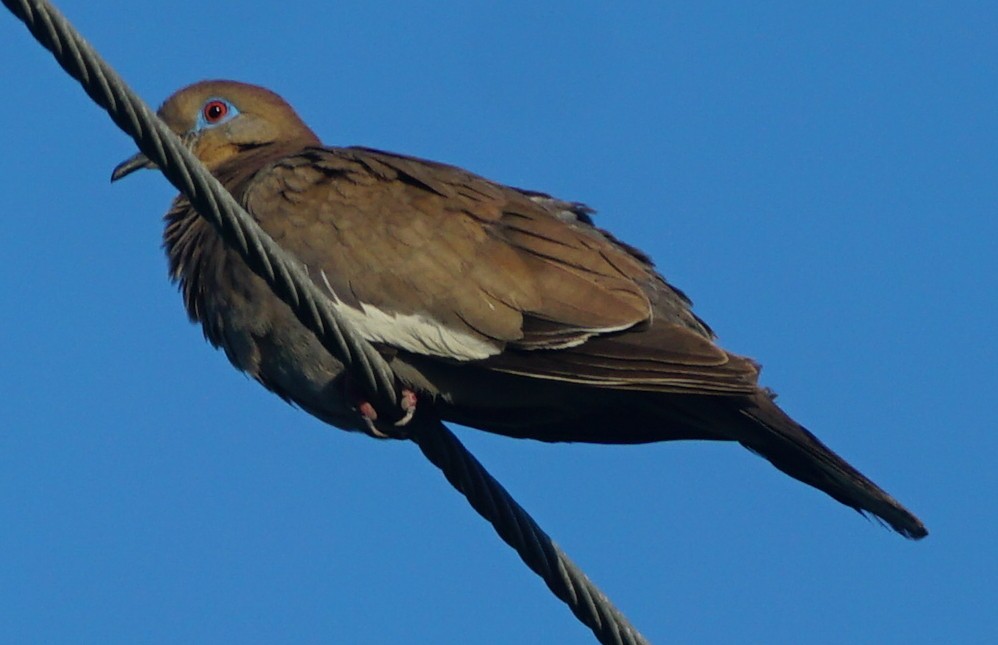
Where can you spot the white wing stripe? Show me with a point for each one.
(411, 332)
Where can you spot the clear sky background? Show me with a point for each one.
(821, 178)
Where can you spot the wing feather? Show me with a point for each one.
(436, 261)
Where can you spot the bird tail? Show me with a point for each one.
(768, 431)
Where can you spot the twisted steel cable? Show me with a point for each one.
(284, 275)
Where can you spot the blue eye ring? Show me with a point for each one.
(215, 111)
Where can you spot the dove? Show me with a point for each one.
(498, 308)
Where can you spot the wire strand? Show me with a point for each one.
(284, 275)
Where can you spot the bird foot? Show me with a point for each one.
(367, 412)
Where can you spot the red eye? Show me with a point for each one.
(214, 111)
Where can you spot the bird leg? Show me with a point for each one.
(407, 401)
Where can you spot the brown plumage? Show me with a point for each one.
(502, 309)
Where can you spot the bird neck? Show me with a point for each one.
(199, 260)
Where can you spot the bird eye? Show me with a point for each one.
(214, 111)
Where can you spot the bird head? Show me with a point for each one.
(218, 120)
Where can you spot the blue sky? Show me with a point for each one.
(821, 179)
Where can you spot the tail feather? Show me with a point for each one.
(770, 432)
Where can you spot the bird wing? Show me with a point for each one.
(436, 261)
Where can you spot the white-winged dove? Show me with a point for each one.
(501, 309)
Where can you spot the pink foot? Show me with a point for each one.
(368, 413)
(408, 405)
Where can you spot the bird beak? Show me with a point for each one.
(130, 165)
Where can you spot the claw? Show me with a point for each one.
(367, 412)
(408, 405)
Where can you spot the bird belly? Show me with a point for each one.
(262, 337)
